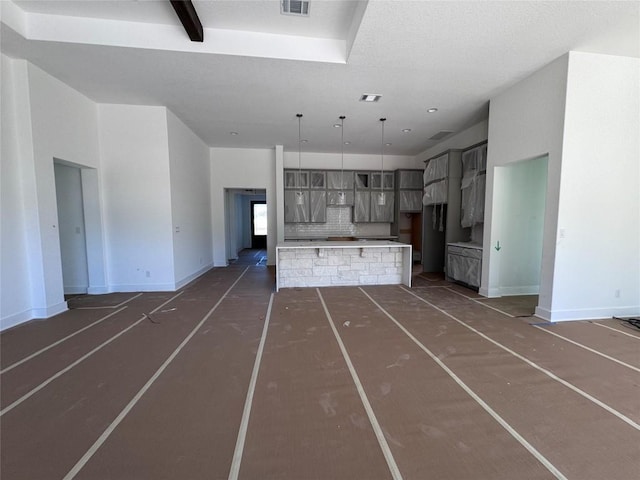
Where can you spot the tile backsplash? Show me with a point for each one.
(339, 223)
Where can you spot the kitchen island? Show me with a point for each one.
(342, 263)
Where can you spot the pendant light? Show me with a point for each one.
(381, 198)
(342, 196)
(299, 195)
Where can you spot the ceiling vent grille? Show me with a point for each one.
(294, 7)
(441, 135)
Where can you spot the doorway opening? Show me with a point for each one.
(245, 221)
(258, 224)
(71, 229)
(519, 203)
(79, 228)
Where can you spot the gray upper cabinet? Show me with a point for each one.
(409, 190)
(382, 212)
(410, 179)
(410, 200)
(318, 180)
(339, 180)
(362, 180)
(295, 212)
(318, 206)
(387, 178)
(362, 206)
(333, 198)
(296, 179)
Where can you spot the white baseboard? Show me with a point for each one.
(15, 319)
(496, 292)
(155, 287)
(26, 315)
(193, 276)
(587, 313)
(49, 311)
(521, 290)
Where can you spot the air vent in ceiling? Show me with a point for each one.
(441, 135)
(294, 7)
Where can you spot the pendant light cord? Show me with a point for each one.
(299, 115)
(382, 157)
(342, 117)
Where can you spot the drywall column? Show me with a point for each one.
(17, 197)
(597, 260)
(280, 192)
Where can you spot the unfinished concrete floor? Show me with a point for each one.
(226, 379)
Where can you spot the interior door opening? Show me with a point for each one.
(258, 224)
(71, 228)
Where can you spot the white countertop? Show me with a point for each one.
(342, 244)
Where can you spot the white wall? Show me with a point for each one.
(73, 247)
(189, 168)
(597, 265)
(15, 291)
(241, 168)
(525, 122)
(137, 197)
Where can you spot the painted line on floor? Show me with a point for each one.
(539, 327)
(482, 303)
(81, 359)
(550, 374)
(616, 330)
(42, 350)
(246, 413)
(393, 467)
(98, 443)
(502, 422)
(589, 349)
(109, 306)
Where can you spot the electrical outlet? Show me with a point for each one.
(147, 274)
(617, 293)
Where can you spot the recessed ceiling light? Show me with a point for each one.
(406, 130)
(388, 144)
(233, 133)
(304, 141)
(370, 97)
(432, 110)
(347, 143)
(336, 125)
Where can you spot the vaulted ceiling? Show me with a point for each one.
(257, 68)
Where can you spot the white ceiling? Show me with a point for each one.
(257, 68)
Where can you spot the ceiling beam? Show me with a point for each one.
(189, 18)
